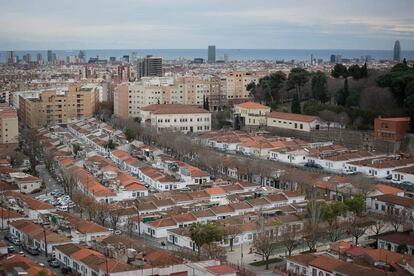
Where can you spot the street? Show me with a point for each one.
(40, 259)
(50, 183)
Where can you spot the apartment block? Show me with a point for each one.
(129, 98)
(58, 106)
(9, 126)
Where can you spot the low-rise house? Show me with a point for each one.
(250, 114)
(403, 174)
(158, 180)
(27, 183)
(15, 264)
(394, 240)
(7, 216)
(299, 122)
(32, 208)
(393, 205)
(31, 234)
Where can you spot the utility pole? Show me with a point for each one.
(44, 237)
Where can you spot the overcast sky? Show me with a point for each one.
(267, 24)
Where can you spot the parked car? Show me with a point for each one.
(9, 237)
(406, 183)
(313, 165)
(16, 241)
(54, 263)
(32, 250)
(11, 249)
(118, 232)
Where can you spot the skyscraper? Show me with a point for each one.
(397, 51)
(49, 56)
(150, 67)
(211, 54)
(10, 57)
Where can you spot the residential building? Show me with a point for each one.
(27, 183)
(9, 126)
(250, 114)
(293, 121)
(52, 107)
(391, 129)
(185, 118)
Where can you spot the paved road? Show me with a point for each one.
(40, 259)
(50, 183)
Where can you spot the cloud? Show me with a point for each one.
(195, 23)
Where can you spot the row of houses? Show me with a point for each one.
(328, 156)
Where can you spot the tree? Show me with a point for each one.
(319, 87)
(314, 215)
(339, 70)
(295, 107)
(290, 240)
(364, 71)
(378, 226)
(354, 71)
(396, 220)
(357, 227)
(356, 204)
(114, 214)
(342, 94)
(264, 245)
(269, 87)
(328, 116)
(17, 159)
(251, 87)
(75, 149)
(205, 234)
(110, 144)
(130, 134)
(232, 232)
(297, 79)
(42, 272)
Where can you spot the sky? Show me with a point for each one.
(194, 24)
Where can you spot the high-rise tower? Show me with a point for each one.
(397, 51)
(211, 54)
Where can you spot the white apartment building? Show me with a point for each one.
(185, 118)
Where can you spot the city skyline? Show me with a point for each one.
(184, 24)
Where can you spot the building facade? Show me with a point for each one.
(391, 129)
(56, 107)
(9, 126)
(185, 118)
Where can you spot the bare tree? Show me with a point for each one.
(114, 215)
(357, 227)
(378, 226)
(396, 220)
(232, 232)
(290, 240)
(264, 245)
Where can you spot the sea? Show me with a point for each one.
(231, 54)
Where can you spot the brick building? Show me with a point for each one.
(391, 129)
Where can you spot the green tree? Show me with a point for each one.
(270, 87)
(206, 233)
(402, 248)
(356, 204)
(354, 71)
(339, 70)
(110, 144)
(17, 159)
(298, 77)
(130, 134)
(342, 94)
(295, 106)
(319, 87)
(364, 71)
(75, 149)
(251, 87)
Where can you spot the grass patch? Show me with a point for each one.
(271, 261)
